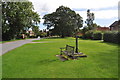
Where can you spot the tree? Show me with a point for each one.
(90, 19)
(42, 33)
(35, 29)
(95, 26)
(17, 17)
(64, 21)
(85, 29)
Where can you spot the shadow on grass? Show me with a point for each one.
(54, 38)
(84, 39)
(47, 61)
(61, 38)
(114, 44)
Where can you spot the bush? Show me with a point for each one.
(88, 35)
(118, 37)
(43, 34)
(97, 35)
(32, 37)
(112, 37)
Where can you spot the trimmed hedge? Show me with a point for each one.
(97, 36)
(118, 37)
(88, 35)
(113, 37)
(110, 36)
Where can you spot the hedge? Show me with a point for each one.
(88, 35)
(97, 35)
(113, 37)
(110, 36)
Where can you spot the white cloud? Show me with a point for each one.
(42, 6)
(42, 20)
(101, 14)
(53, 4)
(48, 6)
(106, 14)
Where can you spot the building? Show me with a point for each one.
(103, 29)
(115, 26)
(31, 33)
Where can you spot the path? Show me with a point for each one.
(5, 47)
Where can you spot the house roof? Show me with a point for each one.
(103, 28)
(116, 23)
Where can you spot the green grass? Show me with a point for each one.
(38, 60)
(0, 67)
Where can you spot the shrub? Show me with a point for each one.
(118, 37)
(97, 35)
(32, 37)
(111, 37)
(43, 34)
(88, 35)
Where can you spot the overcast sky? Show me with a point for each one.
(106, 11)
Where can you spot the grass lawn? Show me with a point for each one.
(38, 60)
(0, 67)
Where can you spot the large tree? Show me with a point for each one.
(17, 17)
(64, 21)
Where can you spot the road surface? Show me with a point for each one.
(5, 47)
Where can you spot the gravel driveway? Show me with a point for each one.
(5, 47)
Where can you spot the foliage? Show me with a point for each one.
(93, 34)
(111, 36)
(42, 33)
(118, 36)
(33, 36)
(95, 25)
(38, 60)
(64, 21)
(97, 35)
(88, 34)
(86, 28)
(35, 29)
(90, 19)
(17, 17)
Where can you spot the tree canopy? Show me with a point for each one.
(17, 17)
(64, 21)
(90, 19)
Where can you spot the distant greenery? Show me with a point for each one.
(17, 18)
(90, 25)
(90, 19)
(108, 36)
(38, 60)
(88, 34)
(97, 35)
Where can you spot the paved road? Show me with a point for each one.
(5, 47)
